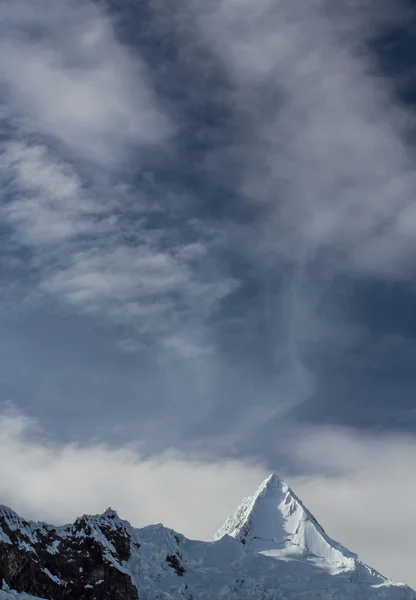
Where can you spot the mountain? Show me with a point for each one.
(272, 548)
(275, 522)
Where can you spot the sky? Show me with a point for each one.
(208, 250)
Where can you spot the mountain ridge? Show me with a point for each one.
(272, 548)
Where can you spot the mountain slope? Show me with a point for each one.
(275, 519)
(271, 549)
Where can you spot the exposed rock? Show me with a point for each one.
(173, 561)
(83, 561)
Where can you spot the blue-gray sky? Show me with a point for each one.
(208, 235)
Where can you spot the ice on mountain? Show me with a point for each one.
(274, 520)
(272, 548)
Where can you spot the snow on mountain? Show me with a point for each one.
(275, 521)
(271, 549)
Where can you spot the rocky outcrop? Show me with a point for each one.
(83, 561)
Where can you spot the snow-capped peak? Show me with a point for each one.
(275, 550)
(274, 521)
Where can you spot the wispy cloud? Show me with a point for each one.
(155, 292)
(328, 145)
(48, 203)
(90, 256)
(68, 77)
(323, 145)
(80, 122)
(212, 187)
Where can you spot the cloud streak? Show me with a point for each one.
(324, 148)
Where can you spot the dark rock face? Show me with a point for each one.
(83, 561)
(174, 562)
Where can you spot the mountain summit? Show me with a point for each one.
(275, 521)
(271, 549)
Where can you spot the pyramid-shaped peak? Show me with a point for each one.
(273, 484)
(274, 480)
(275, 521)
(270, 493)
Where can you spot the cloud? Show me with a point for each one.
(81, 118)
(328, 145)
(91, 254)
(359, 487)
(50, 204)
(68, 77)
(323, 149)
(210, 189)
(360, 491)
(45, 479)
(153, 291)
